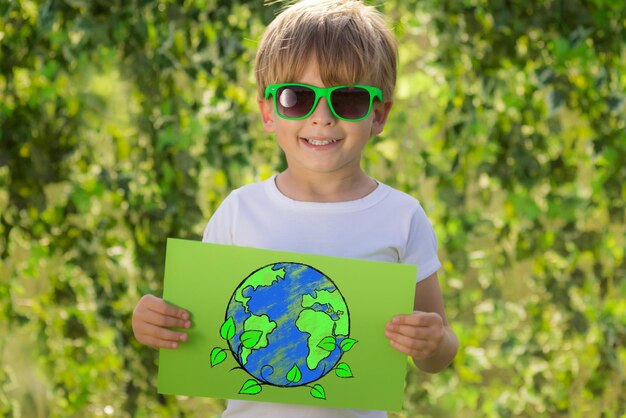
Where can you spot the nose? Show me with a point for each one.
(322, 114)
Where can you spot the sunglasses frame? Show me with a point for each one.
(324, 92)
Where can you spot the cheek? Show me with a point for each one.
(363, 132)
(286, 136)
(289, 127)
(283, 129)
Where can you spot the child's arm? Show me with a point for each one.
(425, 335)
(151, 319)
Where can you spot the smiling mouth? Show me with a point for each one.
(320, 142)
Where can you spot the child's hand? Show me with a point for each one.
(151, 318)
(417, 335)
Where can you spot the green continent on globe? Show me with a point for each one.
(264, 277)
(337, 305)
(257, 323)
(319, 326)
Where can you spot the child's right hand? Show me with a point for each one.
(151, 319)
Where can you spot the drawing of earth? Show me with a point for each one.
(289, 324)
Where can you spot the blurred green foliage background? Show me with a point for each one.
(125, 122)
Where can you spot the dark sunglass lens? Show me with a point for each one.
(350, 102)
(294, 101)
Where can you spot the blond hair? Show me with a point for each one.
(350, 41)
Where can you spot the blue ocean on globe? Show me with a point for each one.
(289, 320)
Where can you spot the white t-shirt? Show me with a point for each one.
(386, 225)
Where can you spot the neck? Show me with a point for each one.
(325, 187)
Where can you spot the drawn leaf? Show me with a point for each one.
(328, 344)
(218, 355)
(294, 375)
(228, 329)
(251, 338)
(343, 370)
(318, 392)
(347, 344)
(251, 387)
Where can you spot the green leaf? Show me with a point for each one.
(251, 387)
(218, 355)
(251, 338)
(294, 375)
(328, 344)
(343, 370)
(318, 392)
(82, 200)
(347, 344)
(228, 329)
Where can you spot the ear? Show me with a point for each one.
(380, 111)
(267, 114)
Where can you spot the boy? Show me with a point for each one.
(326, 72)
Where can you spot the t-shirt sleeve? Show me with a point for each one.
(421, 248)
(219, 229)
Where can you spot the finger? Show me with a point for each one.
(162, 307)
(158, 343)
(162, 333)
(403, 349)
(411, 347)
(410, 320)
(407, 341)
(421, 333)
(164, 321)
(417, 318)
(416, 354)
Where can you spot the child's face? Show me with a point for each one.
(322, 143)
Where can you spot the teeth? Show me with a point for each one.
(318, 142)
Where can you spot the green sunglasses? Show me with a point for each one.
(294, 101)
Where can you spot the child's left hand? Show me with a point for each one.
(417, 335)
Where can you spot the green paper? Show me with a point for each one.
(240, 348)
